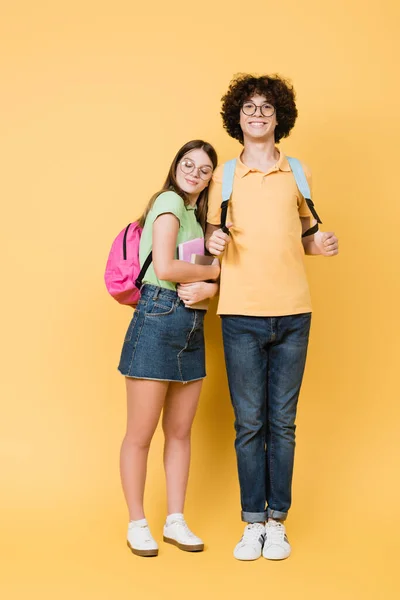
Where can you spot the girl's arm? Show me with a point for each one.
(166, 266)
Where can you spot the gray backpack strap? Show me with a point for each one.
(304, 188)
(227, 187)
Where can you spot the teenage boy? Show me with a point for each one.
(264, 302)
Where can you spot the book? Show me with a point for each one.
(201, 259)
(186, 249)
(193, 251)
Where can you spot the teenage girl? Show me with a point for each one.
(163, 353)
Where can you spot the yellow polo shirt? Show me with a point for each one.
(262, 271)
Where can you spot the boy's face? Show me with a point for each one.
(257, 126)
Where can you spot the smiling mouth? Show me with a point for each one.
(258, 124)
(190, 181)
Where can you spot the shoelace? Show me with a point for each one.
(275, 533)
(185, 527)
(252, 533)
(145, 532)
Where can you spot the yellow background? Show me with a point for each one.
(96, 97)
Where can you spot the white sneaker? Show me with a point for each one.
(140, 540)
(276, 545)
(251, 544)
(177, 532)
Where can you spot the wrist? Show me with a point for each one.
(312, 249)
(213, 289)
(215, 272)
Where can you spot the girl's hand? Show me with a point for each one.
(191, 293)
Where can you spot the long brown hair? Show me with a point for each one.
(172, 185)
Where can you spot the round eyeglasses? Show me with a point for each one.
(187, 166)
(250, 109)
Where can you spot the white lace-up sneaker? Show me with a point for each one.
(140, 540)
(251, 544)
(178, 533)
(276, 545)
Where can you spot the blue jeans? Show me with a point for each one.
(265, 359)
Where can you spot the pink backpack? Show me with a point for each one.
(123, 274)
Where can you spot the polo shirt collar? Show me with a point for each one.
(242, 169)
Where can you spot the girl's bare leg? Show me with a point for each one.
(145, 399)
(179, 411)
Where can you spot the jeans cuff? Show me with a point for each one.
(253, 517)
(276, 514)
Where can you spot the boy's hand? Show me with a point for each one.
(327, 243)
(218, 241)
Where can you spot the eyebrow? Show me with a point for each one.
(252, 102)
(201, 166)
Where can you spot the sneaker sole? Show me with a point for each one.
(246, 559)
(142, 552)
(184, 547)
(276, 558)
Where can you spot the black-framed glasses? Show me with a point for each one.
(187, 166)
(250, 109)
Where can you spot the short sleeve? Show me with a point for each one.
(215, 198)
(168, 202)
(304, 211)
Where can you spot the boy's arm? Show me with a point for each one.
(323, 242)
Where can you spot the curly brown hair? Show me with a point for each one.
(277, 90)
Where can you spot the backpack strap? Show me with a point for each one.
(147, 262)
(301, 182)
(227, 187)
(143, 270)
(304, 188)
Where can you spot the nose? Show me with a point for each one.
(256, 113)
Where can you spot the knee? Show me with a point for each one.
(176, 431)
(249, 425)
(136, 441)
(283, 428)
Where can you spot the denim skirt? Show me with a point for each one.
(164, 340)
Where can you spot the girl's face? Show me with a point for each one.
(194, 172)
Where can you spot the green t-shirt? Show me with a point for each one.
(189, 229)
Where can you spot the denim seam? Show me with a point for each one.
(164, 314)
(258, 516)
(187, 343)
(158, 379)
(270, 447)
(131, 327)
(135, 345)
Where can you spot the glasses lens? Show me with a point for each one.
(187, 165)
(249, 108)
(267, 110)
(205, 172)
